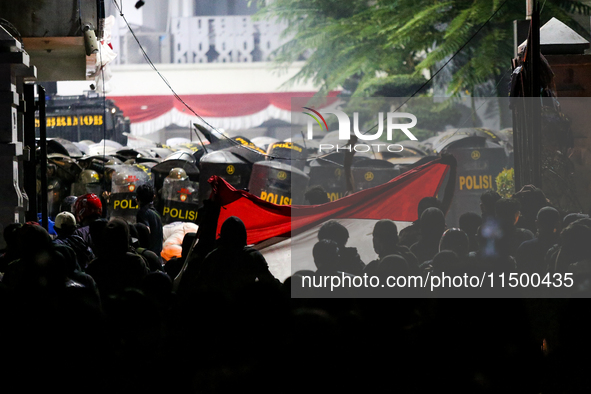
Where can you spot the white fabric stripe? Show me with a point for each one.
(295, 253)
(182, 119)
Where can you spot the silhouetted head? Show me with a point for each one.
(96, 230)
(488, 199)
(427, 202)
(295, 283)
(69, 257)
(571, 217)
(532, 199)
(445, 261)
(455, 240)
(392, 265)
(326, 254)
(145, 194)
(469, 222)
(507, 211)
(157, 285)
(116, 236)
(10, 234)
(233, 233)
(316, 195)
(432, 223)
(334, 231)
(575, 241)
(67, 204)
(584, 222)
(142, 232)
(33, 240)
(384, 236)
(548, 220)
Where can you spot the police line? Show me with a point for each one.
(189, 213)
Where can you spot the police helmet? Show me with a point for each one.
(177, 173)
(89, 176)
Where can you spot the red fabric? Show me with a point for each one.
(396, 200)
(144, 108)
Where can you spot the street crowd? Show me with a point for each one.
(543, 251)
(95, 309)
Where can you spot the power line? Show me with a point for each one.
(176, 96)
(321, 157)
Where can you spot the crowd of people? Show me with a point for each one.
(96, 309)
(524, 239)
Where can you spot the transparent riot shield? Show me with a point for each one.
(180, 200)
(125, 180)
(79, 188)
(88, 181)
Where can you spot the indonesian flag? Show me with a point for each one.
(396, 200)
(285, 235)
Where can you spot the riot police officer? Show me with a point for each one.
(179, 197)
(177, 187)
(88, 182)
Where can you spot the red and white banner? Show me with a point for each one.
(397, 200)
(149, 114)
(286, 235)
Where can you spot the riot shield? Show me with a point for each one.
(87, 182)
(125, 181)
(161, 153)
(64, 147)
(193, 148)
(232, 168)
(67, 170)
(278, 183)
(79, 188)
(329, 173)
(370, 173)
(246, 150)
(177, 160)
(312, 147)
(179, 200)
(289, 153)
(477, 171)
(264, 142)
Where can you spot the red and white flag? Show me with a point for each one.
(297, 225)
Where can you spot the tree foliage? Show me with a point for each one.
(506, 183)
(391, 47)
